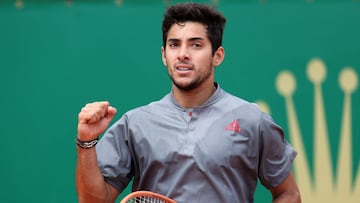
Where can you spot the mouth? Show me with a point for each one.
(183, 67)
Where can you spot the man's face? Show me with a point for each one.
(188, 56)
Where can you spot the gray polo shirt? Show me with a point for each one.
(215, 152)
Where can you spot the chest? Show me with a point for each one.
(202, 138)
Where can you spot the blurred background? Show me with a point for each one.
(57, 55)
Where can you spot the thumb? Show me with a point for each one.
(111, 112)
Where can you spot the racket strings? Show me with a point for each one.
(144, 199)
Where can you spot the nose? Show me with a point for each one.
(183, 54)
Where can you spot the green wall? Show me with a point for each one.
(55, 56)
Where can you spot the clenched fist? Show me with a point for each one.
(93, 119)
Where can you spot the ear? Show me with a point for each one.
(219, 56)
(163, 56)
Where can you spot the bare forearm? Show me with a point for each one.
(93, 120)
(286, 192)
(287, 198)
(90, 184)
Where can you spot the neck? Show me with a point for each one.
(193, 98)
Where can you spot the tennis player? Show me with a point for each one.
(198, 143)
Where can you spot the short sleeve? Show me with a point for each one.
(276, 154)
(114, 157)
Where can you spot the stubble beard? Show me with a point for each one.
(193, 84)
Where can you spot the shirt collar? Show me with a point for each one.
(211, 100)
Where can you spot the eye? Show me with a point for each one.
(196, 45)
(173, 44)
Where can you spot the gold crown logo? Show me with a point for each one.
(323, 187)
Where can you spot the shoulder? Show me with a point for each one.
(250, 115)
(242, 107)
(150, 109)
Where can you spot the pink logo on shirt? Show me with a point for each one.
(233, 126)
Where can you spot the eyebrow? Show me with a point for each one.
(190, 39)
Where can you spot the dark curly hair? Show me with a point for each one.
(195, 12)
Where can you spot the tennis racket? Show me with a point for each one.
(146, 197)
